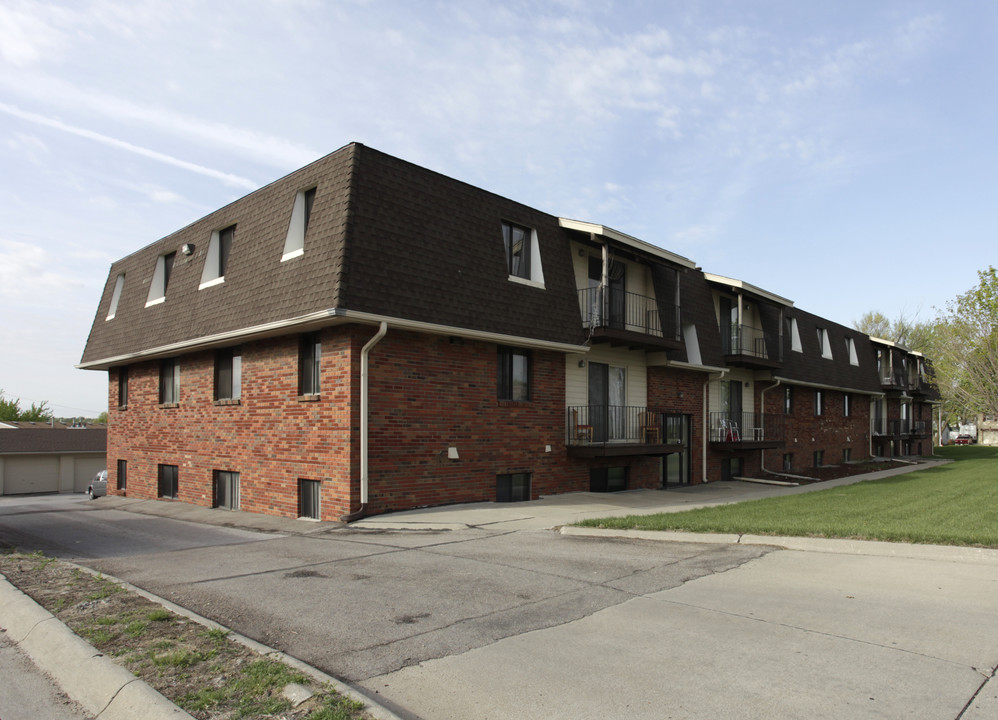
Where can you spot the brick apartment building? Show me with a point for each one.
(365, 335)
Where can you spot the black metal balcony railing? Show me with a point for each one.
(748, 341)
(746, 427)
(920, 427)
(589, 424)
(878, 425)
(619, 310)
(892, 428)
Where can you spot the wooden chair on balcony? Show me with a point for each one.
(582, 433)
(651, 431)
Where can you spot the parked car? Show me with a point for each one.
(964, 440)
(98, 485)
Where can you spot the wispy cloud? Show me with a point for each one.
(37, 119)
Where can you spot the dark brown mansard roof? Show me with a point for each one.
(811, 368)
(386, 239)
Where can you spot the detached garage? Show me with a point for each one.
(48, 460)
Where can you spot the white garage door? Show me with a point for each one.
(30, 474)
(84, 469)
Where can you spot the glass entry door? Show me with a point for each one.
(607, 393)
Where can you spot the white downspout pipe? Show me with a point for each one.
(762, 401)
(365, 363)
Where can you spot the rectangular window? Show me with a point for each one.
(513, 487)
(517, 242)
(513, 374)
(122, 475)
(168, 485)
(824, 344)
(308, 499)
(169, 382)
(819, 402)
(846, 454)
(819, 458)
(216, 261)
(119, 283)
(160, 278)
(788, 400)
(122, 387)
(607, 479)
(851, 349)
(309, 362)
(846, 405)
(301, 214)
(788, 462)
(794, 332)
(228, 374)
(226, 489)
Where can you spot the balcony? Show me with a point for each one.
(921, 429)
(894, 428)
(748, 346)
(619, 430)
(623, 318)
(893, 381)
(746, 431)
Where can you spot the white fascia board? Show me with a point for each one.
(625, 239)
(820, 386)
(324, 318)
(747, 287)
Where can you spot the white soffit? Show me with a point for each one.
(625, 239)
(747, 287)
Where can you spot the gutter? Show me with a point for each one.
(365, 363)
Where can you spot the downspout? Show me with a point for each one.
(364, 429)
(706, 429)
(762, 401)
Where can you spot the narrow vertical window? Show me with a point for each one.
(228, 374)
(309, 362)
(517, 241)
(301, 216)
(513, 375)
(123, 475)
(160, 278)
(788, 400)
(819, 402)
(216, 261)
(846, 405)
(119, 283)
(123, 387)
(169, 382)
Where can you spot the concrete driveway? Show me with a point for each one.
(489, 621)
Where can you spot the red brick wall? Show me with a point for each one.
(270, 438)
(427, 394)
(672, 390)
(831, 431)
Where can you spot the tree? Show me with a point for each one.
(965, 349)
(905, 331)
(11, 410)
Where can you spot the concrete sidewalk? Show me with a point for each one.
(559, 510)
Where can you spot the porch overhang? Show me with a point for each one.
(613, 449)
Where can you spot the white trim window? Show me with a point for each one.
(216, 262)
(301, 213)
(119, 283)
(161, 278)
(523, 255)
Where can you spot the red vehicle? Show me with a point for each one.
(964, 440)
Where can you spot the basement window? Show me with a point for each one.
(513, 487)
(308, 499)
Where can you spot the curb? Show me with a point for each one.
(371, 707)
(104, 689)
(874, 548)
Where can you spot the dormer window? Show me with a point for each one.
(301, 213)
(824, 343)
(119, 283)
(216, 262)
(160, 278)
(795, 343)
(851, 349)
(523, 258)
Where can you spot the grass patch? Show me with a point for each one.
(160, 615)
(954, 504)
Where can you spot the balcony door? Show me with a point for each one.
(611, 302)
(607, 411)
(731, 407)
(730, 327)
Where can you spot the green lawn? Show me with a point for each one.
(953, 504)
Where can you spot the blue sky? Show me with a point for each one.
(840, 154)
